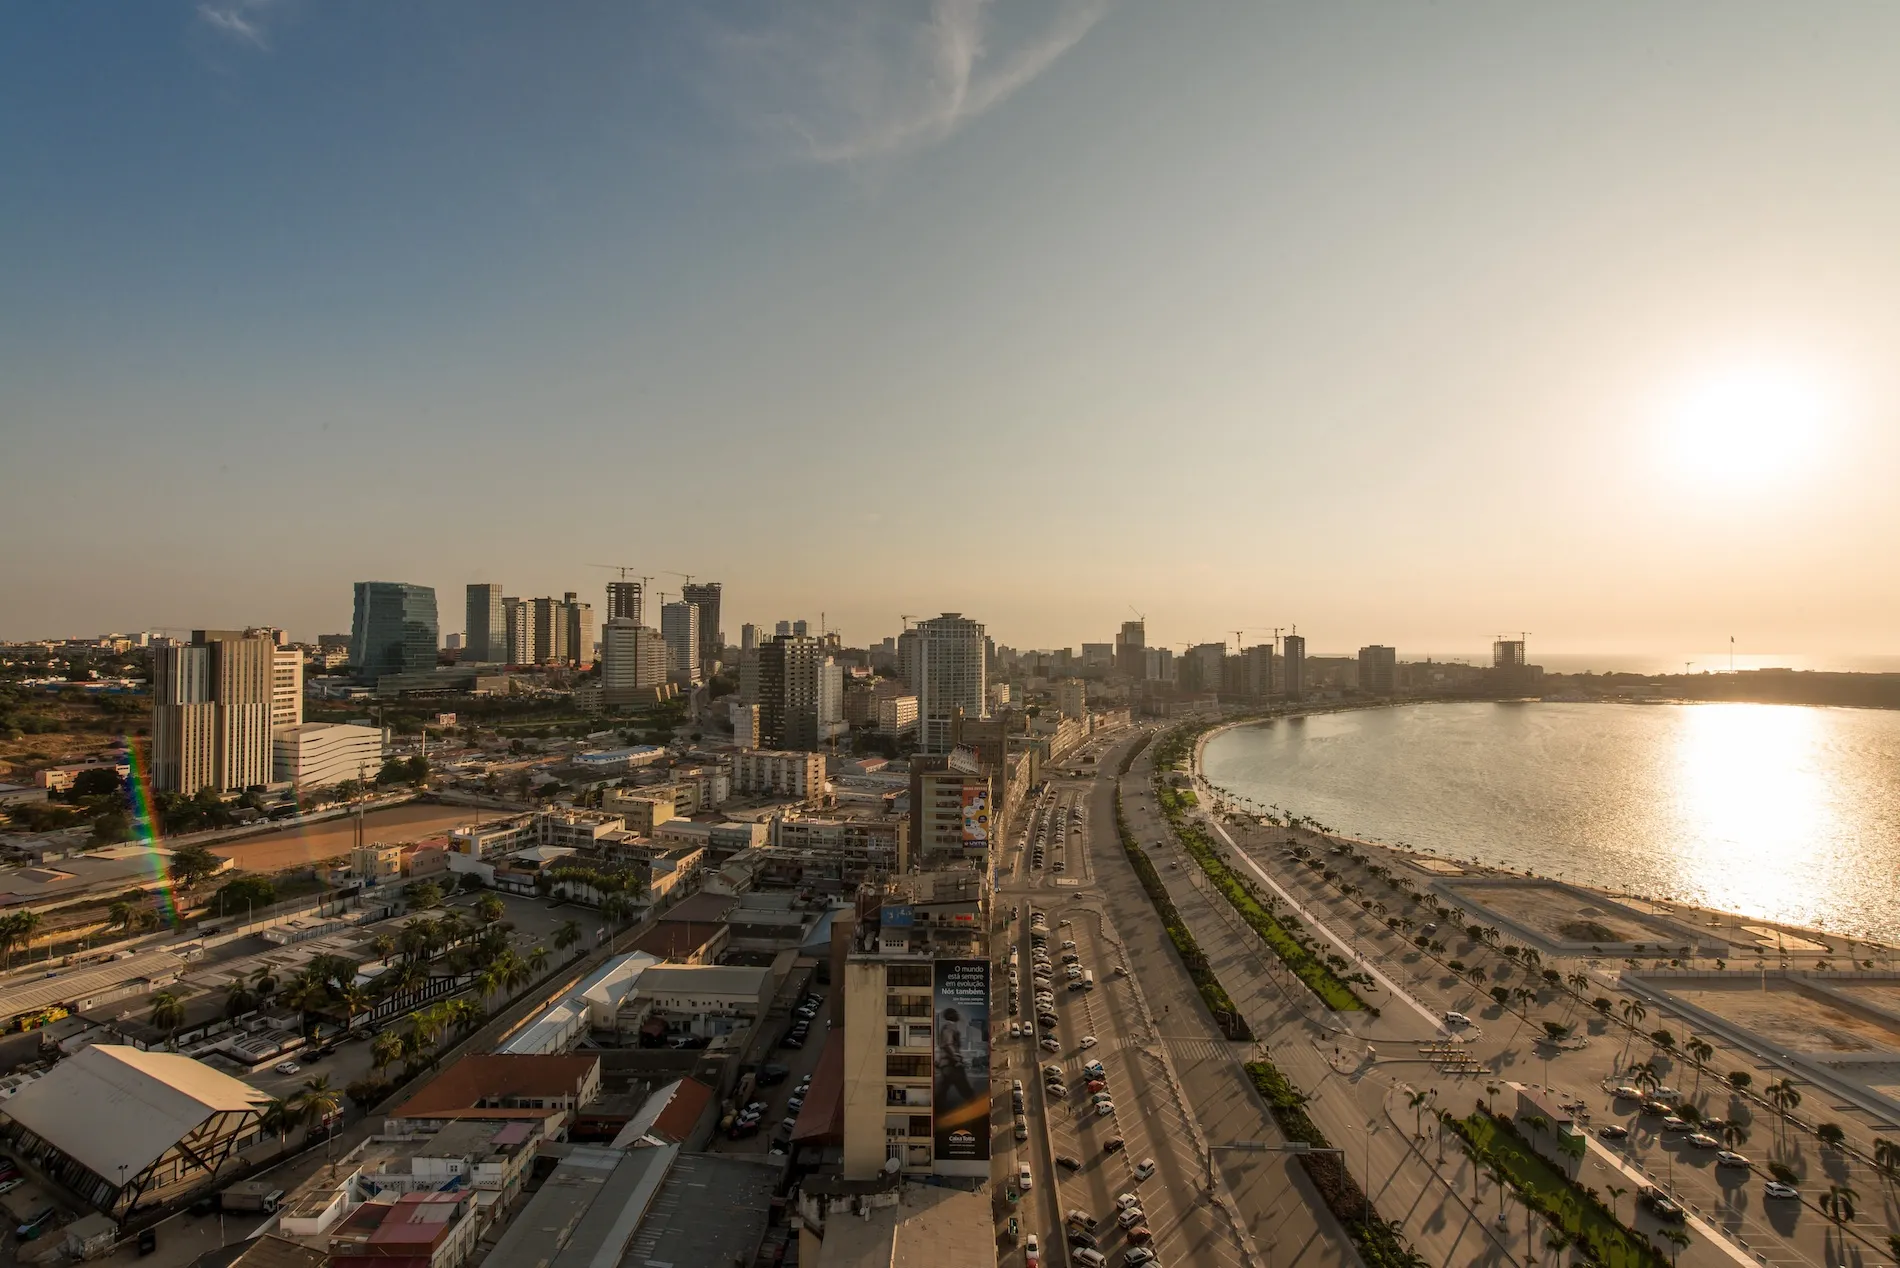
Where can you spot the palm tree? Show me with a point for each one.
(279, 1116)
(1887, 1158)
(538, 961)
(466, 1014)
(1678, 1242)
(1417, 1101)
(1734, 1135)
(1838, 1203)
(385, 1050)
(263, 981)
(355, 1000)
(1634, 1012)
(1616, 1193)
(120, 914)
(1785, 1097)
(383, 945)
(320, 1102)
(487, 982)
(1643, 1075)
(168, 1014)
(511, 971)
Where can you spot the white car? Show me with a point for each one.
(1049, 1044)
(1776, 1189)
(1068, 944)
(1104, 1108)
(1032, 1251)
(1087, 1041)
(1130, 1216)
(1024, 1182)
(1728, 1158)
(1144, 1168)
(1125, 1200)
(287, 1067)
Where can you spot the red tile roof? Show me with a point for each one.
(500, 1076)
(822, 1118)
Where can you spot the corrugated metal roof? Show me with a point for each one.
(111, 1107)
(70, 988)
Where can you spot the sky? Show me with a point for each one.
(1399, 323)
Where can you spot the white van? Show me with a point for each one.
(1457, 1021)
(1088, 979)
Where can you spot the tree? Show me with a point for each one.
(489, 908)
(538, 961)
(244, 895)
(100, 781)
(119, 914)
(1887, 1158)
(383, 946)
(567, 935)
(279, 1116)
(1784, 1096)
(17, 929)
(1678, 1242)
(321, 1102)
(1634, 1012)
(1616, 1193)
(385, 1050)
(1699, 1051)
(422, 895)
(1838, 1203)
(1831, 1135)
(1740, 1080)
(112, 827)
(193, 863)
(168, 1014)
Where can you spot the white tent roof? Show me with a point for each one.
(109, 1107)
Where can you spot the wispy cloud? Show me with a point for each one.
(245, 21)
(856, 80)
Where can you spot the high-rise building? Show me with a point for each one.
(550, 631)
(519, 614)
(1260, 670)
(1293, 667)
(1203, 667)
(794, 678)
(1378, 670)
(632, 662)
(782, 628)
(624, 601)
(286, 688)
(712, 640)
(394, 629)
(1130, 645)
(748, 638)
(211, 712)
(485, 631)
(580, 630)
(801, 629)
(950, 677)
(679, 625)
(1072, 698)
(1159, 664)
(1507, 653)
(907, 658)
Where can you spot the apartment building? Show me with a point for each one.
(777, 773)
(951, 675)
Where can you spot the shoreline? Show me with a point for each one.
(1476, 870)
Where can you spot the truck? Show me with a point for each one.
(251, 1195)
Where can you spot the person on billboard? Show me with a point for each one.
(952, 1072)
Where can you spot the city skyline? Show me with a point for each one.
(1403, 325)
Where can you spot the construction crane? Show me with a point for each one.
(674, 572)
(1276, 636)
(1139, 616)
(625, 570)
(906, 618)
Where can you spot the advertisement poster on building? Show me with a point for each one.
(960, 1104)
(976, 817)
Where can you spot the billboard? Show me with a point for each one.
(976, 816)
(960, 1082)
(897, 916)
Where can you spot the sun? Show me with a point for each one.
(1746, 427)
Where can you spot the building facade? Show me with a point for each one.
(712, 640)
(1293, 667)
(679, 626)
(1378, 670)
(632, 662)
(777, 773)
(485, 631)
(394, 629)
(624, 601)
(320, 754)
(952, 675)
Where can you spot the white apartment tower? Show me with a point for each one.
(212, 707)
(950, 675)
(632, 661)
(679, 626)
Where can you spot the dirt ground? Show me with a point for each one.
(1880, 995)
(1788, 1017)
(302, 846)
(1548, 909)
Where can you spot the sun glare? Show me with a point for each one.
(1746, 427)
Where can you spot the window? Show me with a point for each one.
(907, 1067)
(907, 975)
(891, 1039)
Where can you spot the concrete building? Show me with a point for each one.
(917, 990)
(1072, 698)
(768, 772)
(1293, 667)
(1131, 646)
(518, 614)
(712, 639)
(952, 809)
(485, 625)
(748, 637)
(633, 661)
(1204, 667)
(679, 626)
(624, 601)
(745, 724)
(394, 630)
(1160, 664)
(952, 675)
(897, 715)
(846, 850)
(319, 754)
(800, 693)
(580, 630)
(286, 688)
(644, 809)
(212, 704)
(550, 631)
(1378, 670)
(420, 1230)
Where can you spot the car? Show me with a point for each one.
(35, 1224)
(1094, 1069)
(1015, 1030)
(1082, 1237)
(1670, 1094)
(791, 1041)
(1098, 1085)
(1024, 1181)
(743, 1129)
(1068, 944)
(1067, 1163)
(1057, 1090)
(1113, 1145)
(1457, 1021)
(1138, 1251)
(1702, 1140)
(1657, 1107)
(8, 1186)
(773, 1074)
(1087, 1041)
(1661, 1206)
(1032, 1251)
(795, 1104)
(1729, 1158)
(1121, 970)
(1049, 1043)
(1624, 1092)
(1022, 1129)
(287, 1067)
(1104, 1108)
(1674, 1124)
(1123, 1201)
(1612, 1132)
(1144, 1168)
(1052, 1068)
(1131, 1216)
(778, 1148)
(786, 1124)
(1088, 1258)
(1776, 1189)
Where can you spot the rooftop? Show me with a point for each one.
(928, 1226)
(668, 1116)
(671, 941)
(584, 1214)
(728, 979)
(710, 1213)
(494, 1078)
(699, 909)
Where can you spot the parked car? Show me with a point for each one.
(1082, 1237)
(1728, 1158)
(1144, 1168)
(1612, 1132)
(1032, 1251)
(287, 1067)
(1024, 1181)
(35, 1224)
(1776, 1189)
(1139, 1237)
(1113, 1145)
(1661, 1206)
(1067, 1163)
(1087, 1041)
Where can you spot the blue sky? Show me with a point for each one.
(1377, 319)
